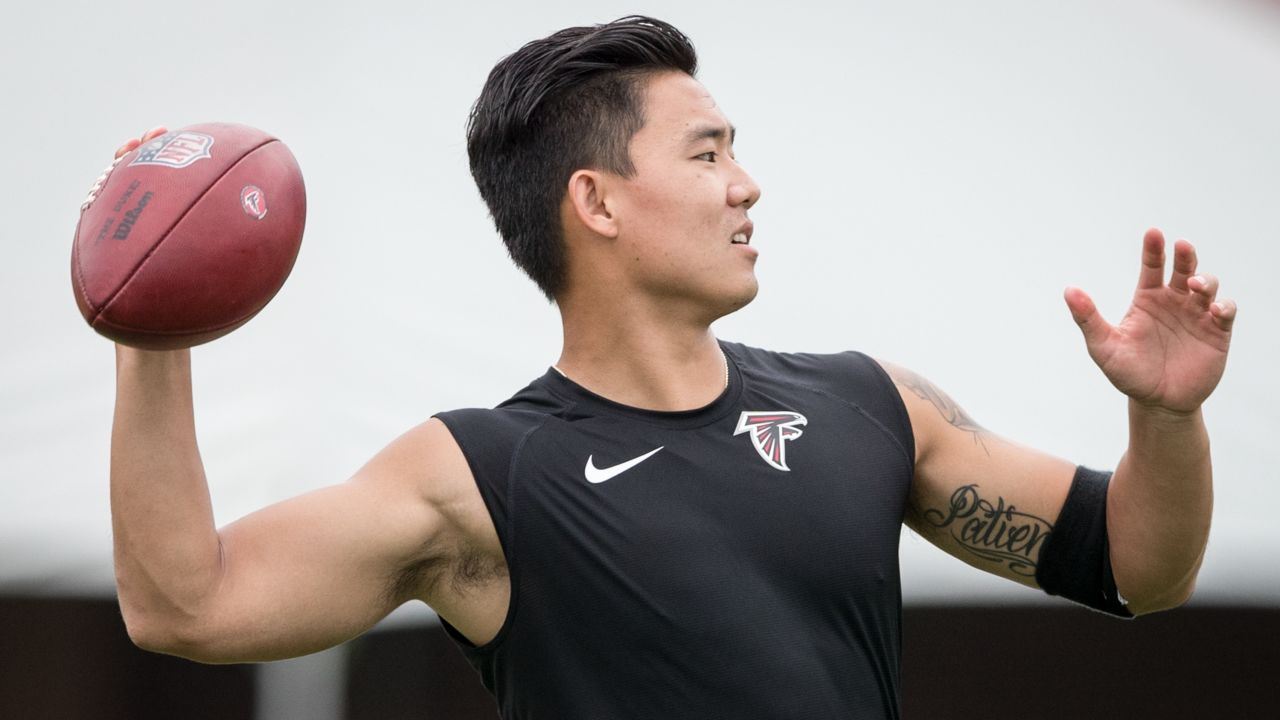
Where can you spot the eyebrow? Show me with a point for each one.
(714, 132)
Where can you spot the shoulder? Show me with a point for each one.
(851, 376)
(425, 461)
(501, 425)
(939, 421)
(441, 461)
(496, 431)
(923, 398)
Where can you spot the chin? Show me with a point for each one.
(741, 297)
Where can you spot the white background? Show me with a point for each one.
(934, 174)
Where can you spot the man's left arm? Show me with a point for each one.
(995, 504)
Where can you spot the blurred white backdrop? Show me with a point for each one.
(934, 175)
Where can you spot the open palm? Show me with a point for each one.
(1170, 348)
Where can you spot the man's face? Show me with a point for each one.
(683, 214)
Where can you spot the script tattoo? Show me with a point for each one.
(993, 532)
(951, 412)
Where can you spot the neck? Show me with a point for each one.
(641, 358)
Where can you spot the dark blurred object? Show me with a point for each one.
(1045, 663)
(71, 659)
(413, 673)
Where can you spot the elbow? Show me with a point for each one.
(162, 623)
(157, 636)
(1167, 599)
(151, 637)
(168, 637)
(1155, 588)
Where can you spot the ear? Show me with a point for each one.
(588, 197)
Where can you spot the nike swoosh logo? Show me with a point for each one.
(599, 475)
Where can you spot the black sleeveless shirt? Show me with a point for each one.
(735, 561)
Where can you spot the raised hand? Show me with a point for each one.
(1170, 349)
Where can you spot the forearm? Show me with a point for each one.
(167, 552)
(1159, 507)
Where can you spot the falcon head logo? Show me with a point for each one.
(770, 432)
(253, 201)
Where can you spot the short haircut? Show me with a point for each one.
(569, 101)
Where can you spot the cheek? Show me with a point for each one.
(680, 206)
(660, 200)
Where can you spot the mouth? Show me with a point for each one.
(743, 236)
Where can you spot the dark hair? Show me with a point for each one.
(569, 101)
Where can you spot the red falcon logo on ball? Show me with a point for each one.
(254, 201)
(770, 432)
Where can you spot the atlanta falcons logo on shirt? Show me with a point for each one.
(770, 432)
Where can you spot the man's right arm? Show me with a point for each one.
(291, 579)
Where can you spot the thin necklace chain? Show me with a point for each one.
(723, 357)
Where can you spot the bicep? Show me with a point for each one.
(318, 569)
(979, 497)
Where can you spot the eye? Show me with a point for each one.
(709, 156)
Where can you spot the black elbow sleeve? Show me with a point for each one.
(1076, 560)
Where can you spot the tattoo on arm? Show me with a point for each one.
(950, 411)
(997, 533)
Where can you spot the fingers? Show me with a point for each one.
(1085, 313)
(1152, 273)
(128, 147)
(1184, 265)
(1204, 288)
(1224, 314)
(132, 143)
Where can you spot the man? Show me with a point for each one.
(665, 525)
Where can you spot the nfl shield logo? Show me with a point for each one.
(175, 149)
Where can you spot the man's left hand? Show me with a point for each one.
(1170, 349)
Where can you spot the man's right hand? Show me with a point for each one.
(300, 575)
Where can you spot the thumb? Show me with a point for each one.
(1095, 328)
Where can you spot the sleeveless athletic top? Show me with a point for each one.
(735, 561)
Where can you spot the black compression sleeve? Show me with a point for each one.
(1076, 560)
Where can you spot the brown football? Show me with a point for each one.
(187, 237)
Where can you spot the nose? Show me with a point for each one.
(743, 189)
